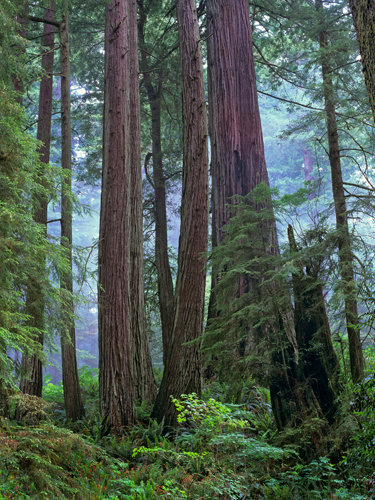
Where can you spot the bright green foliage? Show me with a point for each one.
(89, 381)
(215, 447)
(246, 252)
(214, 454)
(318, 479)
(211, 414)
(359, 461)
(26, 256)
(23, 247)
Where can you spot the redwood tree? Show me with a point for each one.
(363, 12)
(238, 166)
(115, 340)
(143, 376)
(32, 381)
(182, 368)
(237, 153)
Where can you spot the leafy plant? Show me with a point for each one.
(214, 441)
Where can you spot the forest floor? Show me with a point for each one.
(220, 450)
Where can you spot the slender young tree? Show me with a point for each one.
(32, 381)
(345, 252)
(182, 367)
(143, 376)
(363, 12)
(116, 391)
(72, 393)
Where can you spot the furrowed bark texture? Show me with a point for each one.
(363, 12)
(143, 375)
(165, 282)
(238, 166)
(72, 393)
(237, 151)
(115, 357)
(182, 368)
(32, 383)
(345, 253)
(238, 161)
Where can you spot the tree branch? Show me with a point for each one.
(45, 21)
(358, 186)
(147, 159)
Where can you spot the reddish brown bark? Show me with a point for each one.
(165, 282)
(345, 252)
(363, 12)
(72, 394)
(143, 376)
(238, 162)
(237, 151)
(238, 166)
(115, 357)
(32, 366)
(182, 369)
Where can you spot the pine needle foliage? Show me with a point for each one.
(313, 258)
(26, 255)
(23, 247)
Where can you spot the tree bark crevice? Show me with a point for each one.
(182, 367)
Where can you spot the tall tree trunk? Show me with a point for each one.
(115, 357)
(32, 366)
(72, 394)
(237, 149)
(143, 376)
(308, 167)
(363, 12)
(237, 152)
(238, 166)
(345, 253)
(182, 368)
(165, 282)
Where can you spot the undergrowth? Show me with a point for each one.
(222, 449)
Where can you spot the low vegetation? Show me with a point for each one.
(219, 450)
